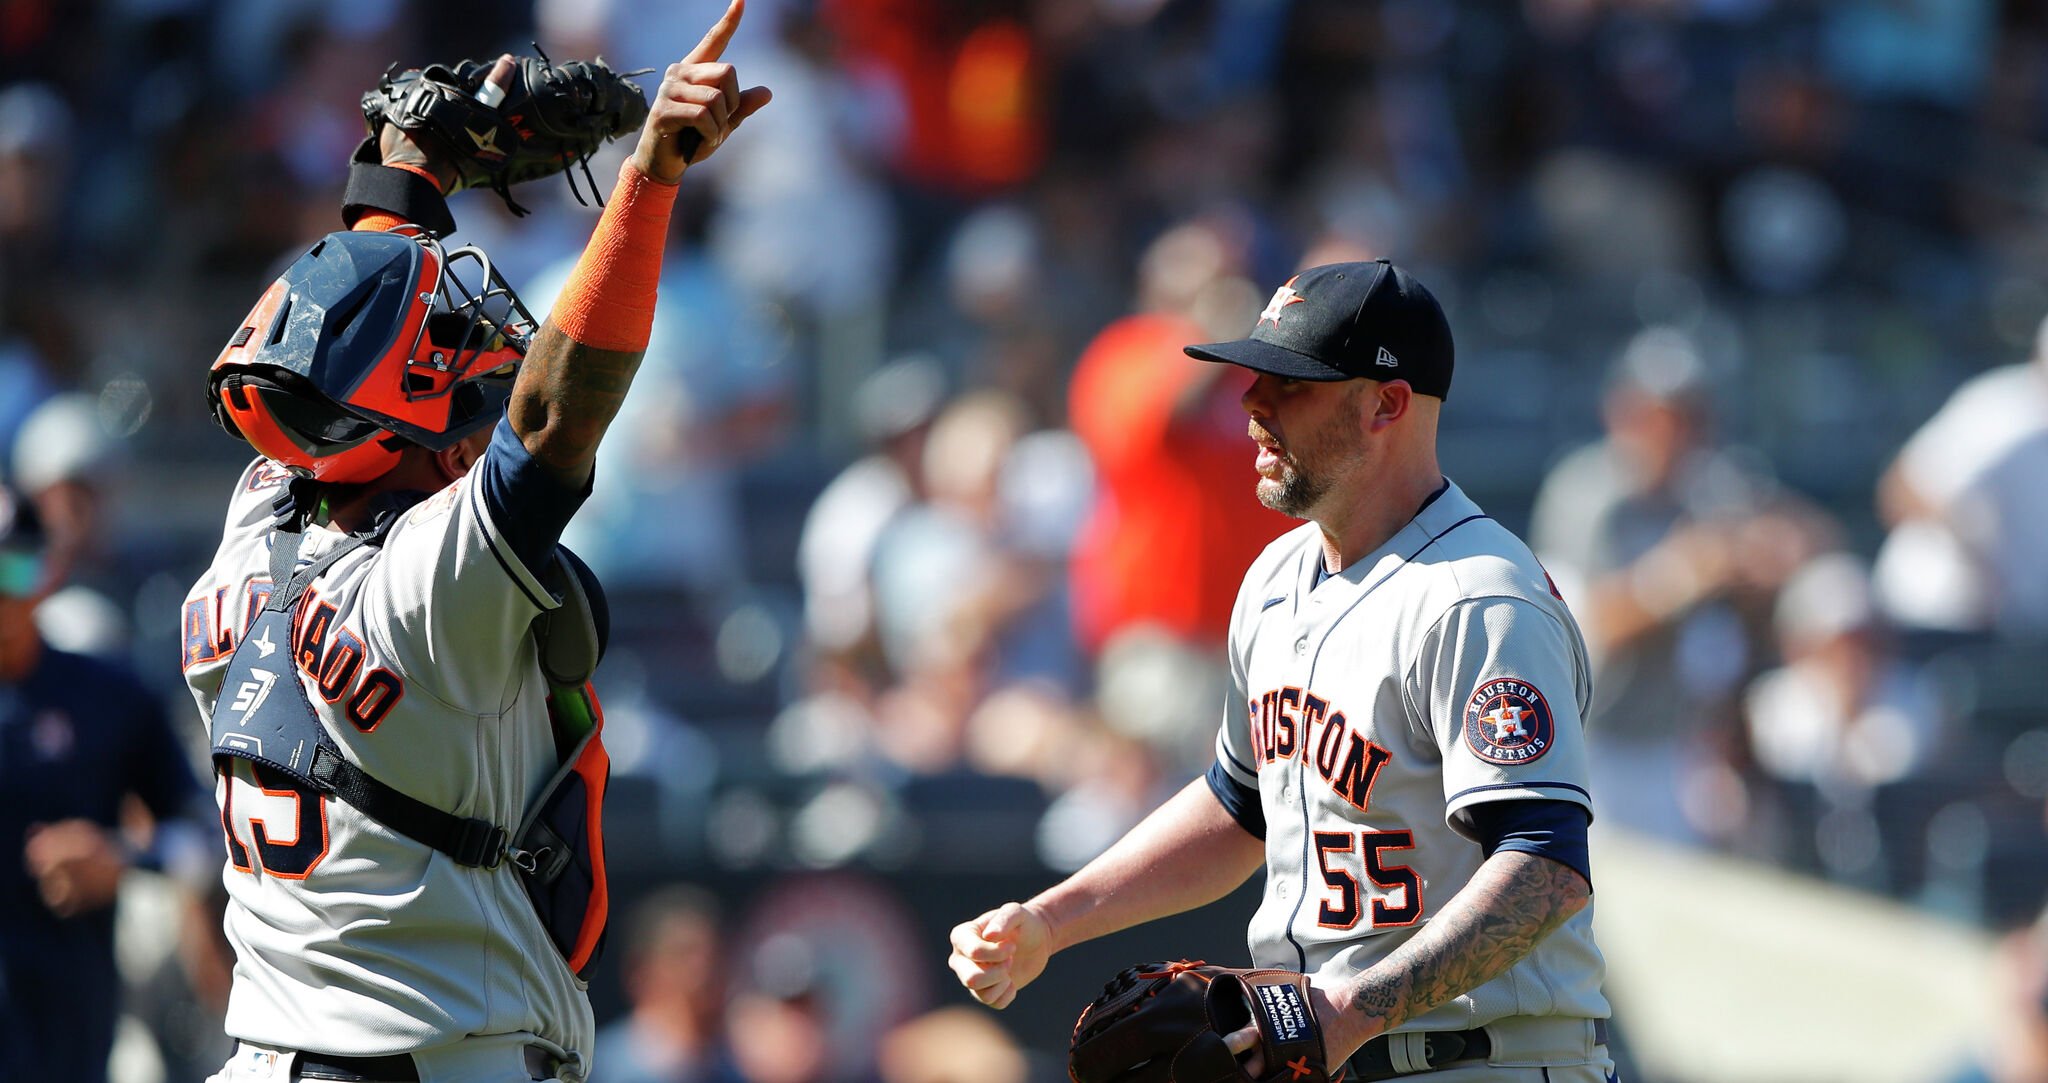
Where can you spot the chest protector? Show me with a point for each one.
(264, 716)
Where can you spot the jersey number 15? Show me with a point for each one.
(283, 823)
(1343, 911)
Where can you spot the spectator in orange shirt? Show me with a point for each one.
(1176, 519)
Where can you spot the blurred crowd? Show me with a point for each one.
(921, 533)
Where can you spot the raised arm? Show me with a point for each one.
(576, 373)
(1188, 853)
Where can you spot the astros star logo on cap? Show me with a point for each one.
(1282, 297)
(1370, 320)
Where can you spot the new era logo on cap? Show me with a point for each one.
(1346, 321)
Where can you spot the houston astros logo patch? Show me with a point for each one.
(1507, 722)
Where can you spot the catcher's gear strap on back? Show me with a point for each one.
(374, 186)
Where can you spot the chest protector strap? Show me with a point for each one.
(284, 734)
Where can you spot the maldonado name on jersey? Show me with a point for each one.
(330, 654)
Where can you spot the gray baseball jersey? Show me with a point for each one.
(1370, 710)
(349, 937)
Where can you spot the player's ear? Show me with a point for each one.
(1390, 402)
(455, 460)
(452, 461)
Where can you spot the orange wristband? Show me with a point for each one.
(608, 302)
(419, 171)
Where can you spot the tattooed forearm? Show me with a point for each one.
(1511, 904)
(566, 395)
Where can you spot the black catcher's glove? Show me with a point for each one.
(1165, 1022)
(550, 116)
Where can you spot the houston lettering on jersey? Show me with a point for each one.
(1286, 722)
(329, 653)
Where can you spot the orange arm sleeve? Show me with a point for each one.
(608, 302)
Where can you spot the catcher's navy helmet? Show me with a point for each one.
(366, 343)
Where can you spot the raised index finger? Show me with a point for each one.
(715, 39)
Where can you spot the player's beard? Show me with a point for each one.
(1312, 462)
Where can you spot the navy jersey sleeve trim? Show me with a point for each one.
(529, 505)
(1580, 790)
(1440, 490)
(1440, 535)
(1552, 829)
(514, 570)
(1238, 799)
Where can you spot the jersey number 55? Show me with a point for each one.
(1343, 911)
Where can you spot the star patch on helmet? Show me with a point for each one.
(1508, 722)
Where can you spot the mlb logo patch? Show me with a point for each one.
(1508, 722)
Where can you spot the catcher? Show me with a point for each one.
(1403, 755)
(407, 753)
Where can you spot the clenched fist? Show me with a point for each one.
(1001, 952)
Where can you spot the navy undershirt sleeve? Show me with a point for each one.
(1552, 829)
(530, 506)
(1238, 799)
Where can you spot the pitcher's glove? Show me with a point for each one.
(1165, 1022)
(533, 120)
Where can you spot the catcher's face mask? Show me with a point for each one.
(368, 342)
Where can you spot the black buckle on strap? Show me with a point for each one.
(480, 843)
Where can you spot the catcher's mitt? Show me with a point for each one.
(532, 120)
(1165, 1022)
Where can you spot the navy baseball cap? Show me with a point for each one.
(1348, 321)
